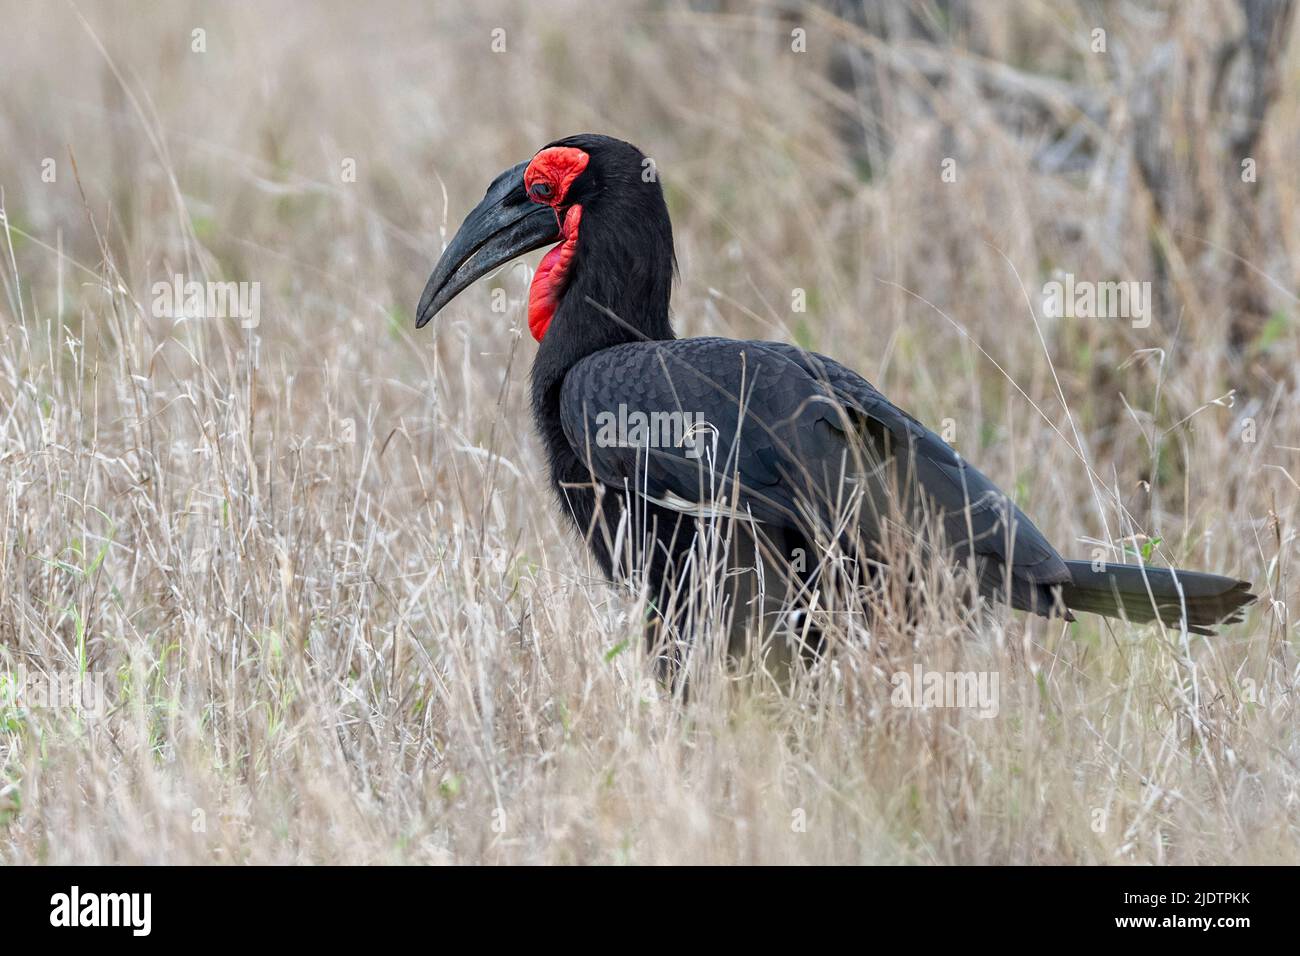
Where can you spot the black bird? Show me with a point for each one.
(653, 440)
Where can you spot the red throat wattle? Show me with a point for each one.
(552, 276)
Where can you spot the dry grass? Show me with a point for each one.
(390, 649)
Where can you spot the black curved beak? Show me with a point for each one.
(504, 226)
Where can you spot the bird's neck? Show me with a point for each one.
(615, 293)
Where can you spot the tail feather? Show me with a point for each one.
(1140, 594)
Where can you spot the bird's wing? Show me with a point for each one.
(777, 432)
(961, 490)
(700, 425)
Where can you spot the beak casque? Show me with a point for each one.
(504, 226)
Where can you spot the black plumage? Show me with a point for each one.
(782, 442)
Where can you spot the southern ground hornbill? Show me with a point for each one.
(656, 443)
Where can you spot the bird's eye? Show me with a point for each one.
(541, 190)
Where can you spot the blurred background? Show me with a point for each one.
(313, 555)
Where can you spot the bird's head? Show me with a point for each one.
(600, 200)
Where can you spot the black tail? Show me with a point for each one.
(1142, 594)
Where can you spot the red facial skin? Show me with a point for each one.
(552, 275)
(554, 169)
(558, 167)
